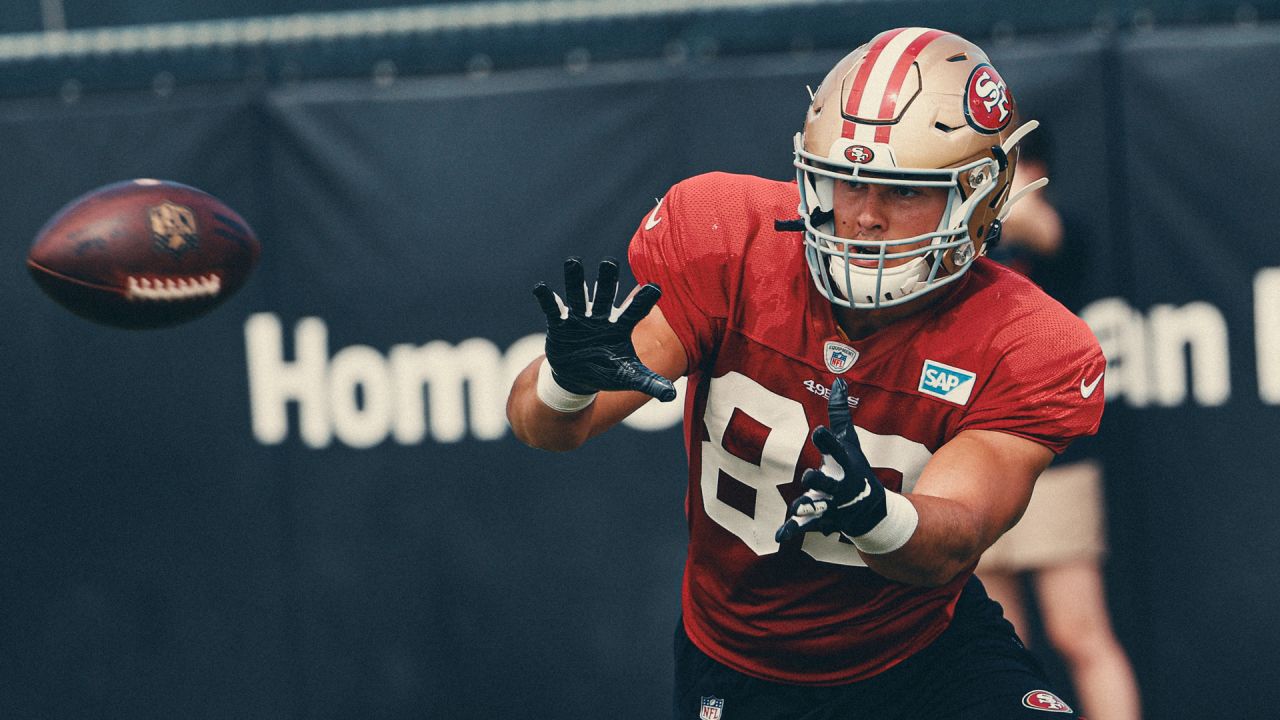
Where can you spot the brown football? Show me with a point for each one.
(143, 253)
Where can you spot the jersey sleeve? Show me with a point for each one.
(690, 267)
(1046, 385)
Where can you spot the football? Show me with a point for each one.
(143, 254)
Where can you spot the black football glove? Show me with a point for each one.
(589, 348)
(844, 495)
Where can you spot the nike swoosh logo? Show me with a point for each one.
(653, 220)
(1087, 390)
(866, 492)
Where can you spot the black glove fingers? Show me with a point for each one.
(606, 289)
(793, 527)
(575, 286)
(547, 299)
(828, 444)
(788, 529)
(826, 524)
(650, 383)
(639, 304)
(846, 449)
(815, 479)
(838, 409)
(806, 506)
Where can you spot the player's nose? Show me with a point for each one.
(861, 214)
(874, 207)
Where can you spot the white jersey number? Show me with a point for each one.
(786, 431)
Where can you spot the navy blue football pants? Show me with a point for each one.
(976, 670)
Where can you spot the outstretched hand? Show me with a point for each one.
(843, 495)
(589, 345)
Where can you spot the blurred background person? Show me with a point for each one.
(1056, 550)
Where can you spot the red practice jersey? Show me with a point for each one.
(764, 348)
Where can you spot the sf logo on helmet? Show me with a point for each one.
(859, 154)
(987, 103)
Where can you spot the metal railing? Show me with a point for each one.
(471, 37)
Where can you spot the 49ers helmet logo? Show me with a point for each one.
(1045, 700)
(987, 105)
(859, 154)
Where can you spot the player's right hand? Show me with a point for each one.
(844, 495)
(589, 345)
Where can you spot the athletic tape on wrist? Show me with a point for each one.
(556, 397)
(891, 533)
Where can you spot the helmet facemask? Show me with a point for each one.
(929, 266)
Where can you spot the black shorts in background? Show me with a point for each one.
(976, 670)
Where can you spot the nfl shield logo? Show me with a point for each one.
(712, 706)
(839, 357)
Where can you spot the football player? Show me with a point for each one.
(870, 400)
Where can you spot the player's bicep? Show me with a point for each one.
(989, 473)
(659, 348)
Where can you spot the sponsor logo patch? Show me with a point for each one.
(712, 706)
(1045, 700)
(943, 381)
(839, 357)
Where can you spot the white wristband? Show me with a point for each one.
(556, 397)
(891, 533)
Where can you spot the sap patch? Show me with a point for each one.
(952, 384)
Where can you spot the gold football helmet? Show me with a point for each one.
(914, 107)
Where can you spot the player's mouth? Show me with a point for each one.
(865, 255)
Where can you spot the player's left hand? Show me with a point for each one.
(843, 495)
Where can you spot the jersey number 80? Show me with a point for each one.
(788, 431)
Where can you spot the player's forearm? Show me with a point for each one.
(946, 542)
(537, 425)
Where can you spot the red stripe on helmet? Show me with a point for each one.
(889, 104)
(855, 97)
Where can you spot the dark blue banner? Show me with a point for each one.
(308, 503)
